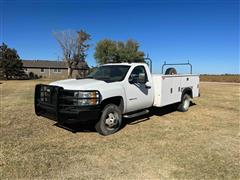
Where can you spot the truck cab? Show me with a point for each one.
(110, 93)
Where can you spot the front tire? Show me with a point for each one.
(184, 105)
(110, 121)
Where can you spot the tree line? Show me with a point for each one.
(74, 46)
(118, 51)
(10, 63)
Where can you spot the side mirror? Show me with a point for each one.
(142, 78)
(133, 79)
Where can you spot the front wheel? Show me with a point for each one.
(110, 121)
(184, 105)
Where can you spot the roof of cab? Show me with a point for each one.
(126, 64)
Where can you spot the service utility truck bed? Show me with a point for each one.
(168, 89)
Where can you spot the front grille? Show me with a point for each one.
(66, 98)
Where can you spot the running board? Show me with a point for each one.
(146, 111)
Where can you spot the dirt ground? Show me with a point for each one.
(202, 143)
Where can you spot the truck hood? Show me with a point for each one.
(80, 84)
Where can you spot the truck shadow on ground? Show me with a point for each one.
(77, 127)
(89, 127)
(154, 111)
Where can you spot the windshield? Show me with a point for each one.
(110, 73)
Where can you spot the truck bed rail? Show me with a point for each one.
(177, 64)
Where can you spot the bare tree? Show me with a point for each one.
(74, 46)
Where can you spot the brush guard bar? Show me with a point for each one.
(56, 103)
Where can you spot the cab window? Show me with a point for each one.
(138, 75)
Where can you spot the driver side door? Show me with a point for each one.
(139, 95)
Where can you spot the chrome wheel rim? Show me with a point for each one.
(186, 103)
(112, 120)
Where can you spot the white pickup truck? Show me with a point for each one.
(112, 92)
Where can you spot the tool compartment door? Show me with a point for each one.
(171, 90)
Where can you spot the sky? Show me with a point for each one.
(204, 32)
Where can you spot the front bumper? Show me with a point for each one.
(55, 103)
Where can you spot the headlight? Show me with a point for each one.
(86, 98)
(91, 94)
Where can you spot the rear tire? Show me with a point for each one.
(171, 71)
(110, 121)
(185, 103)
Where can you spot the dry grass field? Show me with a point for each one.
(221, 78)
(203, 143)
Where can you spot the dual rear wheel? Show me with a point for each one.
(185, 103)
